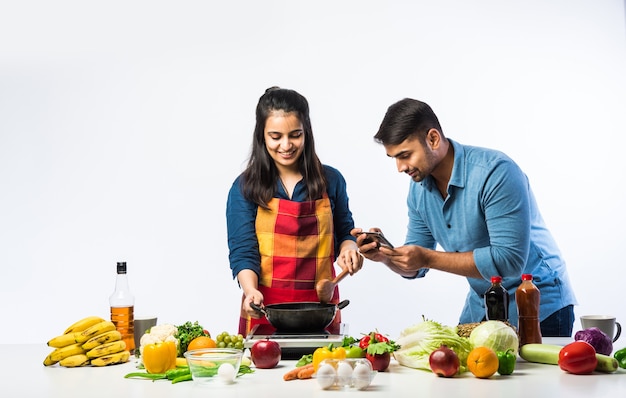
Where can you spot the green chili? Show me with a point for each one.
(185, 377)
(178, 372)
(506, 362)
(146, 375)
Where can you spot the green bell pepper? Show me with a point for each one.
(620, 355)
(506, 361)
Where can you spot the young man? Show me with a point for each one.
(477, 204)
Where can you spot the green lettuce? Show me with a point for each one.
(417, 342)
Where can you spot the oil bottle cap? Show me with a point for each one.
(527, 277)
(121, 267)
(496, 279)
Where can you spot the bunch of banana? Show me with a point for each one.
(90, 341)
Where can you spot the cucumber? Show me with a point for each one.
(606, 364)
(549, 354)
(540, 353)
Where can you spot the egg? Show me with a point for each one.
(325, 376)
(361, 376)
(226, 373)
(344, 373)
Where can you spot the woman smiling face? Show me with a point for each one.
(284, 139)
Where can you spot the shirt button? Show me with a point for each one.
(449, 226)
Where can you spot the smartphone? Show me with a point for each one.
(377, 237)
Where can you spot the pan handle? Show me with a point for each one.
(343, 304)
(258, 309)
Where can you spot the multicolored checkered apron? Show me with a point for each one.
(296, 243)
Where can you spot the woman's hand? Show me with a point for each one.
(351, 260)
(249, 283)
(256, 297)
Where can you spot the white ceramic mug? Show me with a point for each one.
(606, 323)
(142, 325)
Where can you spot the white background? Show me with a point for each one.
(124, 123)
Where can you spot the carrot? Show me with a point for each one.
(293, 374)
(306, 372)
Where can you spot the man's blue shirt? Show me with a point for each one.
(491, 211)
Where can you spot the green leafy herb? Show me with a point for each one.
(187, 332)
(306, 359)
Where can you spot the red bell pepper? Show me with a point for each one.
(578, 358)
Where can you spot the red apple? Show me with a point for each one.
(380, 362)
(265, 354)
(444, 362)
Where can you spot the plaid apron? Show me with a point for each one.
(296, 243)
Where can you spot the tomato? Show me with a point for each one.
(578, 358)
(380, 338)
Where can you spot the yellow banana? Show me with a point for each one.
(106, 337)
(62, 353)
(107, 349)
(83, 324)
(95, 330)
(112, 359)
(74, 361)
(64, 340)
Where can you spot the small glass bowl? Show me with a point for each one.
(214, 365)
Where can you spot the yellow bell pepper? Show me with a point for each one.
(328, 352)
(159, 357)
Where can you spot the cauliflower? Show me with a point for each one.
(159, 334)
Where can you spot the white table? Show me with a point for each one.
(23, 375)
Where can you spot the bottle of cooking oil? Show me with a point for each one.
(122, 304)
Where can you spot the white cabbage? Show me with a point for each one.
(496, 335)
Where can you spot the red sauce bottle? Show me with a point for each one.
(527, 298)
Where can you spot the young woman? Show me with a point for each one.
(287, 213)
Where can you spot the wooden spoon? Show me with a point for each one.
(325, 287)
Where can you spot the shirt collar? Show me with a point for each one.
(458, 169)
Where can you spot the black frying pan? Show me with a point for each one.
(300, 317)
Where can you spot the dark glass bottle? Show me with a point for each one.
(527, 298)
(497, 301)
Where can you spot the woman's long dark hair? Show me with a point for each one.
(261, 175)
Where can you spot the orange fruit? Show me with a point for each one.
(482, 362)
(201, 342)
